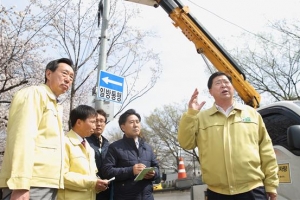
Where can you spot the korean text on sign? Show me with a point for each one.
(109, 94)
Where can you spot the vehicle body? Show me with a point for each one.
(157, 186)
(282, 119)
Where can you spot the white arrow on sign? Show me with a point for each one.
(107, 80)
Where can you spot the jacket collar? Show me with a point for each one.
(236, 106)
(95, 138)
(50, 94)
(73, 137)
(132, 142)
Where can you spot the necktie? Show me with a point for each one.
(83, 143)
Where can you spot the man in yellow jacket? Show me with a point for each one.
(81, 182)
(236, 153)
(33, 160)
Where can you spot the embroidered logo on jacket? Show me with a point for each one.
(246, 119)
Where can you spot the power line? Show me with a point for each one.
(240, 27)
(218, 16)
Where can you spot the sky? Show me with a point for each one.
(184, 69)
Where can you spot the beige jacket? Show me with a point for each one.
(80, 170)
(34, 145)
(235, 152)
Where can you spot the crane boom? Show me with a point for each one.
(206, 44)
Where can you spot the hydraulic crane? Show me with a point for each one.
(207, 45)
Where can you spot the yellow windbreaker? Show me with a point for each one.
(236, 152)
(34, 144)
(80, 170)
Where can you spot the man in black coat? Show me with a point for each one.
(127, 157)
(100, 145)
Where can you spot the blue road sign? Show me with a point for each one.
(110, 87)
(111, 81)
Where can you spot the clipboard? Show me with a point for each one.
(142, 174)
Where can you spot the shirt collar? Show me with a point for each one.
(79, 137)
(225, 112)
(235, 106)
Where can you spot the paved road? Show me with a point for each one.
(197, 190)
(178, 195)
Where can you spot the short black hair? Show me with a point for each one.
(53, 65)
(103, 113)
(126, 114)
(81, 112)
(216, 74)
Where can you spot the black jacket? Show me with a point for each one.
(99, 158)
(121, 156)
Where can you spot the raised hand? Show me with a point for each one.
(193, 103)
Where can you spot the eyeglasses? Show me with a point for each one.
(100, 122)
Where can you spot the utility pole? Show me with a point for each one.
(103, 48)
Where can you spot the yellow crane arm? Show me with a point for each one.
(208, 46)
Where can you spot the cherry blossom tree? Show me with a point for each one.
(74, 32)
(21, 63)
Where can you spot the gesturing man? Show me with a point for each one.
(236, 153)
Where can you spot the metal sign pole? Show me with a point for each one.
(103, 49)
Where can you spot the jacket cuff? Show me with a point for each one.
(193, 112)
(94, 188)
(18, 183)
(271, 189)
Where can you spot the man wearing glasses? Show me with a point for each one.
(100, 145)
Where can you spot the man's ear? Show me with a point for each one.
(48, 74)
(122, 125)
(78, 122)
